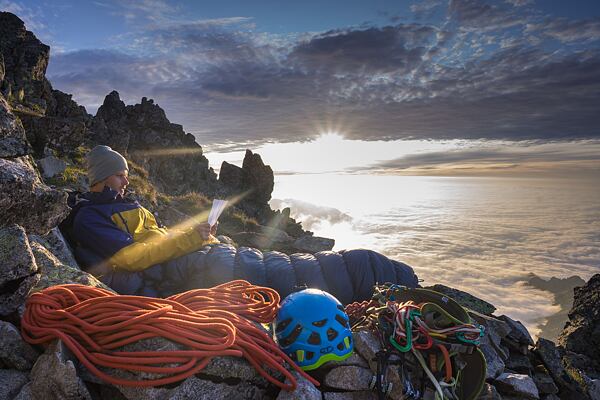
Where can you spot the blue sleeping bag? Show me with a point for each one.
(349, 275)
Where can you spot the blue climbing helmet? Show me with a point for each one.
(312, 328)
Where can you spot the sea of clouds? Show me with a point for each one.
(481, 235)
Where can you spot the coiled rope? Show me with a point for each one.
(220, 321)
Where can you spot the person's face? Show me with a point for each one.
(117, 182)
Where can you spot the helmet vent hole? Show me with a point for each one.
(340, 346)
(281, 325)
(331, 334)
(320, 323)
(342, 321)
(314, 338)
(341, 308)
(286, 341)
(309, 355)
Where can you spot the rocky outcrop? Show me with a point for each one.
(276, 239)
(51, 166)
(25, 61)
(254, 182)
(173, 159)
(252, 186)
(18, 270)
(465, 299)
(582, 332)
(13, 142)
(562, 290)
(27, 201)
(109, 125)
(15, 353)
(63, 383)
(11, 383)
(313, 244)
(258, 178)
(521, 386)
(62, 129)
(53, 272)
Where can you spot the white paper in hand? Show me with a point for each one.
(215, 212)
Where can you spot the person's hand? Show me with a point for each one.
(213, 229)
(204, 230)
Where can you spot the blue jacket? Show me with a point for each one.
(125, 235)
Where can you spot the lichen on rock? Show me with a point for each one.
(26, 200)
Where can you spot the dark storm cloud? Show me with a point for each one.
(487, 71)
(396, 49)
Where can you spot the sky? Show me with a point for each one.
(492, 81)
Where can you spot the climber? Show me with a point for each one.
(116, 236)
(121, 242)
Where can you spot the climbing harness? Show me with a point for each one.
(432, 329)
(203, 323)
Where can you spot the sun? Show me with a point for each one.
(330, 138)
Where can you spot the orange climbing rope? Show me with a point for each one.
(205, 323)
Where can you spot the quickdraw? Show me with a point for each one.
(408, 327)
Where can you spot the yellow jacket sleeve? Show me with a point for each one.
(158, 249)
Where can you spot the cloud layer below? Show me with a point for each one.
(482, 235)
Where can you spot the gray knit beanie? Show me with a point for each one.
(102, 162)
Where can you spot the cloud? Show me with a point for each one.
(311, 215)
(520, 3)
(568, 31)
(426, 9)
(375, 50)
(562, 158)
(142, 10)
(30, 16)
(487, 70)
(476, 243)
(484, 16)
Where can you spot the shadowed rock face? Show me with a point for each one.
(142, 132)
(50, 117)
(562, 289)
(25, 63)
(64, 127)
(582, 332)
(255, 181)
(258, 178)
(18, 270)
(13, 142)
